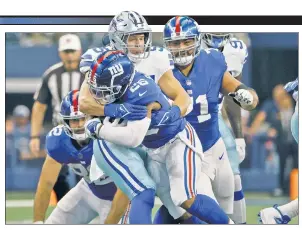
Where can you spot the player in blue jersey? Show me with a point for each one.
(283, 214)
(203, 74)
(235, 53)
(174, 151)
(68, 144)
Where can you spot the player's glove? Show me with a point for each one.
(165, 117)
(92, 127)
(240, 146)
(242, 97)
(126, 111)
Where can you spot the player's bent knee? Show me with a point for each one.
(226, 203)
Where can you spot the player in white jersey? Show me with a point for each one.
(129, 32)
(235, 53)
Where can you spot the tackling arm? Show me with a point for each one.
(135, 131)
(87, 104)
(173, 89)
(48, 178)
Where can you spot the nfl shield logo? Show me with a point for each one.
(189, 82)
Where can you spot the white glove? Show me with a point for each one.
(240, 146)
(243, 97)
(39, 222)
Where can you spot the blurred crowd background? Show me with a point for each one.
(271, 149)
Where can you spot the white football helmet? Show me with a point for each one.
(125, 24)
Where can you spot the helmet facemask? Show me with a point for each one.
(184, 49)
(120, 41)
(216, 40)
(106, 95)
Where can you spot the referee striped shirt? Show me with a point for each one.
(55, 85)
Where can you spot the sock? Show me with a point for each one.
(141, 207)
(192, 220)
(239, 213)
(206, 209)
(163, 216)
(290, 209)
(125, 218)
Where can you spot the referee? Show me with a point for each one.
(57, 81)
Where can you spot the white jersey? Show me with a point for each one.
(158, 62)
(235, 53)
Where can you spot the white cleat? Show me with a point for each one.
(272, 216)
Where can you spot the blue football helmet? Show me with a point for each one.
(216, 40)
(73, 119)
(183, 39)
(110, 75)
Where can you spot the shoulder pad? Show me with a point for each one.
(236, 47)
(54, 140)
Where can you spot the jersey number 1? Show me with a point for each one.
(204, 108)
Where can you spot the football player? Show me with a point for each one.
(235, 53)
(129, 32)
(174, 151)
(203, 74)
(68, 144)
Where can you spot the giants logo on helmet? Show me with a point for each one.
(116, 70)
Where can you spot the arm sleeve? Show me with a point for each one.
(42, 93)
(131, 135)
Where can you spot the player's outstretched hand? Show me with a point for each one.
(126, 111)
(92, 126)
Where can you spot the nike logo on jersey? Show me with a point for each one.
(221, 156)
(83, 162)
(141, 94)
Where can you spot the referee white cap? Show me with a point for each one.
(69, 42)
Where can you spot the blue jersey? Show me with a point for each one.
(143, 91)
(203, 84)
(65, 150)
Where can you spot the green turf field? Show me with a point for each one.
(16, 214)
